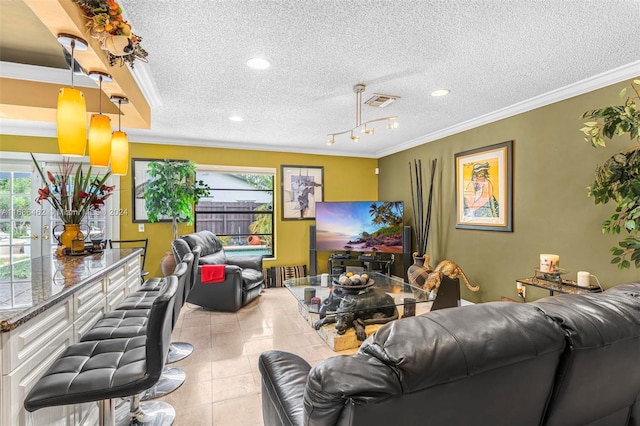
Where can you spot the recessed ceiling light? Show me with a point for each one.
(258, 63)
(236, 118)
(440, 92)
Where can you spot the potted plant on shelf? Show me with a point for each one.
(172, 191)
(618, 178)
(106, 24)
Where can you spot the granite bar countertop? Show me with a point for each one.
(51, 280)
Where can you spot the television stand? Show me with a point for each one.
(369, 263)
(340, 256)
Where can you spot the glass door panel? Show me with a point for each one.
(21, 224)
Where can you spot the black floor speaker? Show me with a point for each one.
(406, 251)
(313, 259)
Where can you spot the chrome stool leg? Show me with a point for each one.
(179, 351)
(151, 413)
(107, 412)
(171, 379)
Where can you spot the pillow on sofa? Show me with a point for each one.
(279, 274)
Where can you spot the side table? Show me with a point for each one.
(563, 286)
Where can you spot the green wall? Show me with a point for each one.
(553, 165)
(292, 236)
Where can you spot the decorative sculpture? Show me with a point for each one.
(357, 310)
(447, 268)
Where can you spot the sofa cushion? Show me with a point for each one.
(218, 258)
(603, 340)
(206, 239)
(284, 378)
(249, 261)
(632, 289)
(251, 278)
(440, 347)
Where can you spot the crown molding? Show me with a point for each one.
(626, 72)
(581, 87)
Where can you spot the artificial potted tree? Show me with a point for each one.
(172, 191)
(618, 178)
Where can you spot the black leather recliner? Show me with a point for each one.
(562, 360)
(243, 275)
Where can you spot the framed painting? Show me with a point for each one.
(302, 187)
(140, 167)
(484, 188)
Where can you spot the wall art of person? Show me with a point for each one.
(479, 200)
(302, 187)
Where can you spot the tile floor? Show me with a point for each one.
(223, 382)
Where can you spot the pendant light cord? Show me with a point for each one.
(73, 64)
(100, 96)
(119, 113)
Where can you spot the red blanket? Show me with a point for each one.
(212, 274)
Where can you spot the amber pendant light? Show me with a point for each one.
(99, 129)
(119, 143)
(71, 115)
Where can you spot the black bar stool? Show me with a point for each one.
(103, 370)
(141, 243)
(172, 377)
(180, 350)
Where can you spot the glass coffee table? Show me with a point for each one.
(343, 315)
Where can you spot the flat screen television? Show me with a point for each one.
(359, 226)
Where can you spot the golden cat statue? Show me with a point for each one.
(450, 269)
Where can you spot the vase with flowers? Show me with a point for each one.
(72, 193)
(106, 24)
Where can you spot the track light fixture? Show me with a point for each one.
(392, 121)
(368, 131)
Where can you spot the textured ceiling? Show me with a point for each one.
(490, 54)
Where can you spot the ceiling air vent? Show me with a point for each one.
(380, 101)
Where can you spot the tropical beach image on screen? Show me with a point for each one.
(360, 226)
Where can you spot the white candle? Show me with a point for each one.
(324, 280)
(584, 279)
(549, 262)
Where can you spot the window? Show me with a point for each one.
(239, 210)
(15, 225)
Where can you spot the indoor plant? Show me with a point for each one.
(171, 191)
(72, 194)
(618, 178)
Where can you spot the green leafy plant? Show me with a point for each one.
(172, 190)
(262, 225)
(618, 178)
